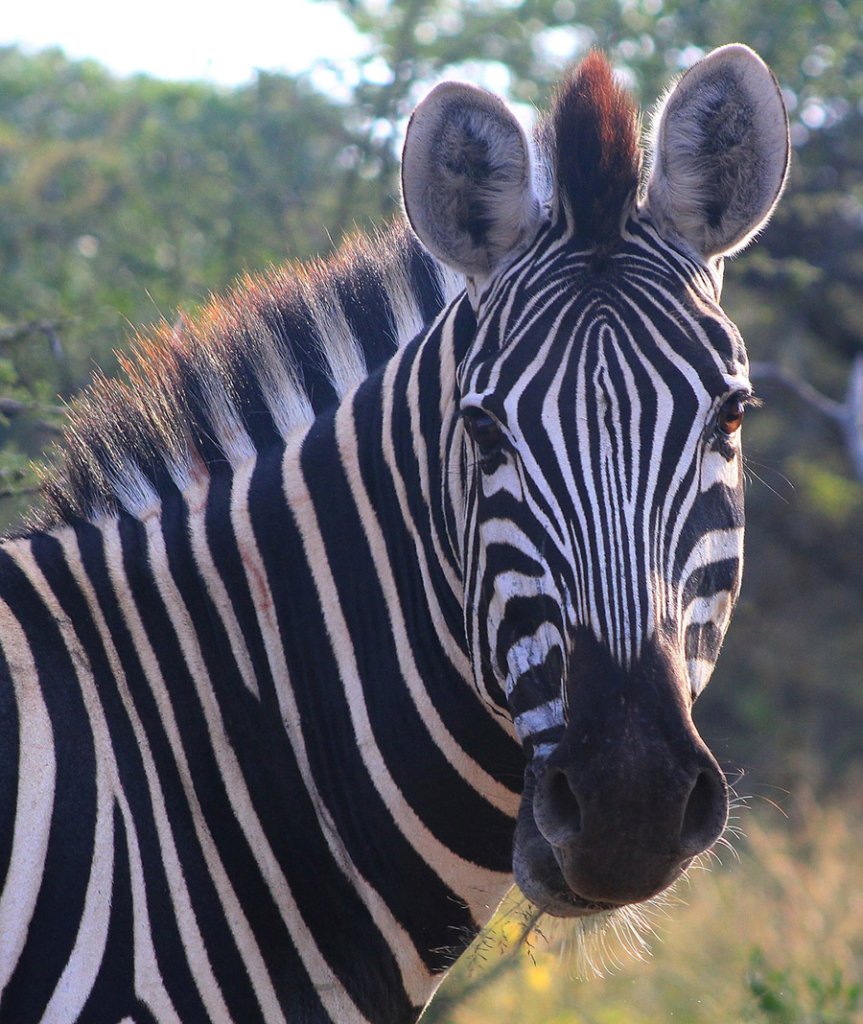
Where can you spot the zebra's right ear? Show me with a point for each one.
(720, 152)
(467, 179)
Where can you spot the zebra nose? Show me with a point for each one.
(556, 807)
(623, 837)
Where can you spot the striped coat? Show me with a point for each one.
(384, 579)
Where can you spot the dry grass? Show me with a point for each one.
(772, 935)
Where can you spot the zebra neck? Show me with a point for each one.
(379, 480)
(369, 500)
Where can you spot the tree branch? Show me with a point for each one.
(803, 389)
(13, 332)
(22, 492)
(847, 415)
(12, 407)
(854, 419)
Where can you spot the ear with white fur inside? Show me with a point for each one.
(721, 153)
(466, 180)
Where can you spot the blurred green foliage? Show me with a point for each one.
(121, 200)
(773, 936)
(780, 999)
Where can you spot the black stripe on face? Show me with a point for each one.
(538, 685)
(703, 641)
(712, 578)
(544, 738)
(523, 617)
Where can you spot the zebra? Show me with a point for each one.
(384, 579)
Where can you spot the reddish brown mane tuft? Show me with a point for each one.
(597, 160)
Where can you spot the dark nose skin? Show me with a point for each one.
(631, 793)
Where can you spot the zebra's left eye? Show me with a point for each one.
(731, 414)
(484, 430)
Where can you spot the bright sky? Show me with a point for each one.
(184, 39)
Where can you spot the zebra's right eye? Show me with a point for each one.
(484, 430)
(731, 414)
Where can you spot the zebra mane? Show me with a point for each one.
(252, 367)
(591, 142)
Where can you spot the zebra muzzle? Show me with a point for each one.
(618, 810)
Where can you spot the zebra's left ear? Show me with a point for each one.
(467, 179)
(720, 152)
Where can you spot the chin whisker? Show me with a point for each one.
(606, 942)
(725, 844)
(588, 947)
(599, 944)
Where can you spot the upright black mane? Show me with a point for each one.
(250, 368)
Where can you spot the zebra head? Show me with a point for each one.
(599, 389)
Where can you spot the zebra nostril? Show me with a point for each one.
(557, 809)
(704, 815)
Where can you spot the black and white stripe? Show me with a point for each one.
(322, 596)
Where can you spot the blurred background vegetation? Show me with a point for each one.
(124, 199)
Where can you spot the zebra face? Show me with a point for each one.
(600, 396)
(601, 408)
(603, 537)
